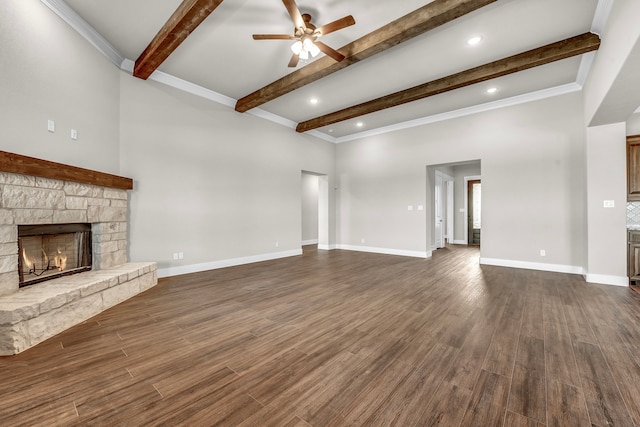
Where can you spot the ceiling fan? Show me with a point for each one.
(306, 35)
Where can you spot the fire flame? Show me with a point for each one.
(45, 256)
(60, 260)
(29, 262)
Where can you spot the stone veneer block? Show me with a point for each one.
(49, 183)
(106, 214)
(32, 198)
(8, 233)
(78, 189)
(9, 282)
(69, 216)
(6, 216)
(9, 248)
(114, 193)
(9, 263)
(33, 216)
(73, 202)
(16, 179)
(34, 314)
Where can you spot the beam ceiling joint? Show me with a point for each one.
(183, 22)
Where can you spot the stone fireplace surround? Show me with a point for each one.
(32, 314)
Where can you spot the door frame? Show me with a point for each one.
(450, 184)
(446, 192)
(466, 204)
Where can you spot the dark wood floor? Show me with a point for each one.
(343, 338)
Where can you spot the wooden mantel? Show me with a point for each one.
(24, 165)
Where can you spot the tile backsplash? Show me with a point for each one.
(633, 214)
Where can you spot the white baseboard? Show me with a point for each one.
(605, 279)
(326, 247)
(601, 279)
(310, 242)
(213, 265)
(557, 268)
(385, 251)
(459, 242)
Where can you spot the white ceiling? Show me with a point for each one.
(221, 56)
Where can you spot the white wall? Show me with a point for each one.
(606, 180)
(309, 207)
(532, 180)
(49, 72)
(212, 183)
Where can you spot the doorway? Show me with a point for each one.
(474, 208)
(315, 210)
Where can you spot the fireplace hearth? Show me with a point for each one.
(53, 250)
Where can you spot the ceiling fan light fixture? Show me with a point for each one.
(296, 47)
(307, 44)
(304, 54)
(314, 51)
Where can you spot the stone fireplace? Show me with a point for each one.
(48, 214)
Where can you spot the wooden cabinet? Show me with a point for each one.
(633, 168)
(633, 255)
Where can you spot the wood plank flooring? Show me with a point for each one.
(343, 339)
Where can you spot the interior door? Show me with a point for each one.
(474, 204)
(438, 208)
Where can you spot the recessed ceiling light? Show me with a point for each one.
(359, 124)
(492, 90)
(473, 41)
(314, 101)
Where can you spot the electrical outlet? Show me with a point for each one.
(362, 240)
(180, 255)
(74, 134)
(175, 255)
(543, 252)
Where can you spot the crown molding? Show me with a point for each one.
(601, 16)
(82, 27)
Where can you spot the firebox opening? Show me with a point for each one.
(53, 250)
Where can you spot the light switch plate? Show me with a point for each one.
(609, 204)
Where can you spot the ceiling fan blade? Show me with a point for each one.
(294, 12)
(293, 62)
(273, 37)
(336, 25)
(329, 51)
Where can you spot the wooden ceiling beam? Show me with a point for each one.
(533, 58)
(428, 17)
(184, 20)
